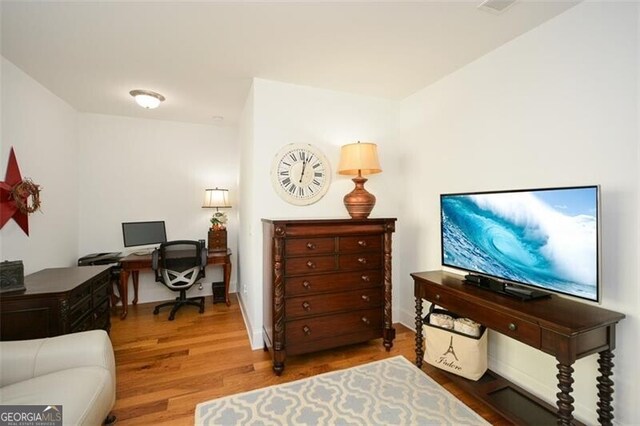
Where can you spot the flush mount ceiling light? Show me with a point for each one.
(147, 98)
(495, 6)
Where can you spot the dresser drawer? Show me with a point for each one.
(360, 243)
(306, 246)
(218, 242)
(360, 261)
(312, 284)
(348, 338)
(307, 330)
(84, 324)
(79, 309)
(517, 328)
(101, 314)
(334, 302)
(101, 292)
(78, 294)
(310, 264)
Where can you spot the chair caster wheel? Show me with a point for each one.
(171, 317)
(156, 311)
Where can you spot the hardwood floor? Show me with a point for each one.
(164, 368)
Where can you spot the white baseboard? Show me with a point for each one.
(255, 337)
(407, 318)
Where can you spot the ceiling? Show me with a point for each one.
(203, 55)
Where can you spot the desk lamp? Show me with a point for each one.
(217, 198)
(358, 159)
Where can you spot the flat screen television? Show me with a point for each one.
(143, 233)
(546, 239)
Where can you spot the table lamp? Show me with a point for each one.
(217, 198)
(358, 159)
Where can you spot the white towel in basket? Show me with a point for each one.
(441, 320)
(467, 326)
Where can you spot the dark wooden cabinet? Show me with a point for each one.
(217, 240)
(57, 301)
(563, 328)
(327, 283)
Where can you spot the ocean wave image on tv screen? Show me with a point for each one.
(526, 237)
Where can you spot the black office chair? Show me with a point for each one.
(179, 265)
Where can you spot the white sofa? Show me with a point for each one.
(75, 370)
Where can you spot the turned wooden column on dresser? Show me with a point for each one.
(327, 283)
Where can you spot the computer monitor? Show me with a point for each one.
(143, 233)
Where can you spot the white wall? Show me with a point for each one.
(42, 130)
(135, 169)
(557, 106)
(249, 285)
(285, 113)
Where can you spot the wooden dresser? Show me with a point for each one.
(57, 301)
(327, 283)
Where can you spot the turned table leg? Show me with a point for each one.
(605, 388)
(419, 350)
(565, 400)
(135, 274)
(227, 279)
(124, 292)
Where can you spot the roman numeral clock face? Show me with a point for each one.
(300, 174)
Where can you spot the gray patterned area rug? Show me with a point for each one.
(388, 392)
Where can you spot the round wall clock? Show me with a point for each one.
(300, 174)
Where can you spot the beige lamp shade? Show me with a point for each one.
(216, 198)
(359, 158)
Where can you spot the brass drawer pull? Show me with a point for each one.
(306, 306)
(512, 326)
(365, 278)
(362, 260)
(437, 297)
(366, 320)
(366, 298)
(311, 264)
(306, 330)
(306, 284)
(362, 243)
(311, 246)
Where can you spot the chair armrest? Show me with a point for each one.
(24, 360)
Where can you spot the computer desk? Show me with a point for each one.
(133, 264)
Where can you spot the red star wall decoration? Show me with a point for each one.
(12, 197)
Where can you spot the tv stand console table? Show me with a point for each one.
(563, 328)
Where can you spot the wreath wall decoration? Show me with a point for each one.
(18, 197)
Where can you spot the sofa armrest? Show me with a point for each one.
(24, 360)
